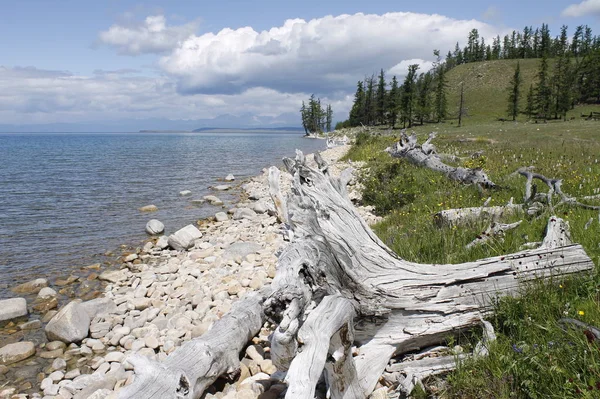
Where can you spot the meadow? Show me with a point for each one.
(534, 356)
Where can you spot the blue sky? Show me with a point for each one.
(123, 59)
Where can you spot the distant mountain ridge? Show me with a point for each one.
(245, 121)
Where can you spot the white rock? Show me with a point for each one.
(244, 213)
(12, 308)
(221, 216)
(230, 177)
(184, 238)
(114, 357)
(222, 187)
(130, 258)
(46, 293)
(113, 276)
(72, 322)
(155, 227)
(185, 193)
(162, 242)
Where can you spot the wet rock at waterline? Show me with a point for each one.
(72, 322)
(12, 308)
(185, 193)
(230, 177)
(148, 208)
(213, 200)
(31, 287)
(155, 227)
(16, 352)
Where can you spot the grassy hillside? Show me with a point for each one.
(486, 88)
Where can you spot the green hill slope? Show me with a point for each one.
(486, 88)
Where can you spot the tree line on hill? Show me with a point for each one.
(573, 77)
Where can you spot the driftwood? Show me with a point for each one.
(426, 155)
(494, 232)
(337, 286)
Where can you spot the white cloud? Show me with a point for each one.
(321, 55)
(30, 95)
(234, 71)
(583, 9)
(151, 36)
(402, 68)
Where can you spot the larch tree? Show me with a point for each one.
(380, 96)
(514, 93)
(392, 103)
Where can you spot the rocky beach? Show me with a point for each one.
(168, 292)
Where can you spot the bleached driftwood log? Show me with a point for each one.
(425, 155)
(464, 216)
(554, 188)
(494, 232)
(338, 285)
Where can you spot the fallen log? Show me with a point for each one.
(425, 155)
(338, 285)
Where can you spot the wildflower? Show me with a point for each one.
(581, 313)
(517, 349)
(560, 286)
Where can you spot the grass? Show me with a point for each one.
(533, 357)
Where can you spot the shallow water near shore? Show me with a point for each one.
(66, 199)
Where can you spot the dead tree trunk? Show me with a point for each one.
(337, 285)
(425, 155)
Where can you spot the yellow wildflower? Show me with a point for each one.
(581, 313)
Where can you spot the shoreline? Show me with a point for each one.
(163, 298)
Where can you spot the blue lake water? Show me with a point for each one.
(66, 199)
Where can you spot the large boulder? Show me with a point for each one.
(31, 287)
(16, 352)
(184, 238)
(72, 322)
(12, 308)
(154, 227)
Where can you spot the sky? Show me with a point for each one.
(84, 61)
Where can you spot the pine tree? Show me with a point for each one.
(380, 99)
(423, 109)
(370, 111)
(357, 113)
(392, 103)
(514, 92)
(329, 117)
(543, 90)
(530, 108)
(304, 114)
(441, 103)
(407, 103)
